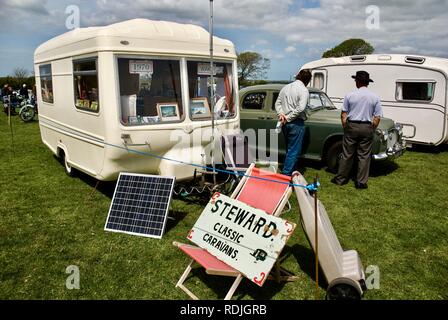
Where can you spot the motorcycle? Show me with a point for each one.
(10, 103)
(28, 110)
(27, 107)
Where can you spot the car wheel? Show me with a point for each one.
(334, 156)
(69, 170)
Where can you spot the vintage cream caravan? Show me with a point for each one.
(413, 89)
(139, 85)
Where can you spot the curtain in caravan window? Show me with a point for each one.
(415, 91)
(46, 83)
(150, 91)
(199, 81)
(318, 80)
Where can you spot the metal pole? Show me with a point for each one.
(212, 91)
(316, 242)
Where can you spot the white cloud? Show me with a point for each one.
(406, 26)
(261, 42)
(17, 6)
(271, 54)
(290, 49)
(420, 25)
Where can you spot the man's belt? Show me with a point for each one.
(359, 122)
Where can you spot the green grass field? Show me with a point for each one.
(50, 221)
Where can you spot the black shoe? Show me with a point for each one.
(361, 185)
(336, 182)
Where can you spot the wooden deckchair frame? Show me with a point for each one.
(279, 273)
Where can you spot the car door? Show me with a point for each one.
(253, 117)
(271, 123)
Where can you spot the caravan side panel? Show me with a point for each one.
(424, 121)
(78, 133)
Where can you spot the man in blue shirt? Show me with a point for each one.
(290, 106)
(360, 116)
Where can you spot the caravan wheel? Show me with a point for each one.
(69, 170)
(343, 289)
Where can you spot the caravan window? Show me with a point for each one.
(85, 80)
(46, 83)
(199, 84)
(415, 91)
(318, 80)
(150, 91)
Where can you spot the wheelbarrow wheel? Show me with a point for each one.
(343, 290)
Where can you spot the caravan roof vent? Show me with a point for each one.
(384, 57)
(417, 60)
(357, 58)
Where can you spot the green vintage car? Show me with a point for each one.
(323, 129)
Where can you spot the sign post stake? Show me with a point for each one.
(316, 241)
(212, 91)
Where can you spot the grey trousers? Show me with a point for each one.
(358, 138)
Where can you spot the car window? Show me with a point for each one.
(319, 100)
(315, 101)
(254, 101)
(326, 101)
(274, 99)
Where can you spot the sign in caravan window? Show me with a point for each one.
(150, 91)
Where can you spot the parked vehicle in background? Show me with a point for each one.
(323, 128)
(28, 109)
(413, 90)
(12, 103)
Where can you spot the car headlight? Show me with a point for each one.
(383, 134)
(399, 128)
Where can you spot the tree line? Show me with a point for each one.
(19, 77)
(253, 67)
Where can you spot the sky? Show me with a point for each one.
(288, 32)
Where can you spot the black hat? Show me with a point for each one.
(362, 76)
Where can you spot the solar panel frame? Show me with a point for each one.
(172, 181)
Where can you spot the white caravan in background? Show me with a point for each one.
(132, 84)
(413, 89)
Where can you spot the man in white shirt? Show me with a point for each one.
(290, 106)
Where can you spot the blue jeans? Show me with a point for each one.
(293, 132)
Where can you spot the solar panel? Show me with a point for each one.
(140, 205)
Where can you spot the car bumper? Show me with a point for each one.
(391, 153)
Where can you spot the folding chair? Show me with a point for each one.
(238, 156)
(343, 270)
(261, 194)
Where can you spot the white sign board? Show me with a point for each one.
(247, 239)
(204, 69)
(141, 67)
